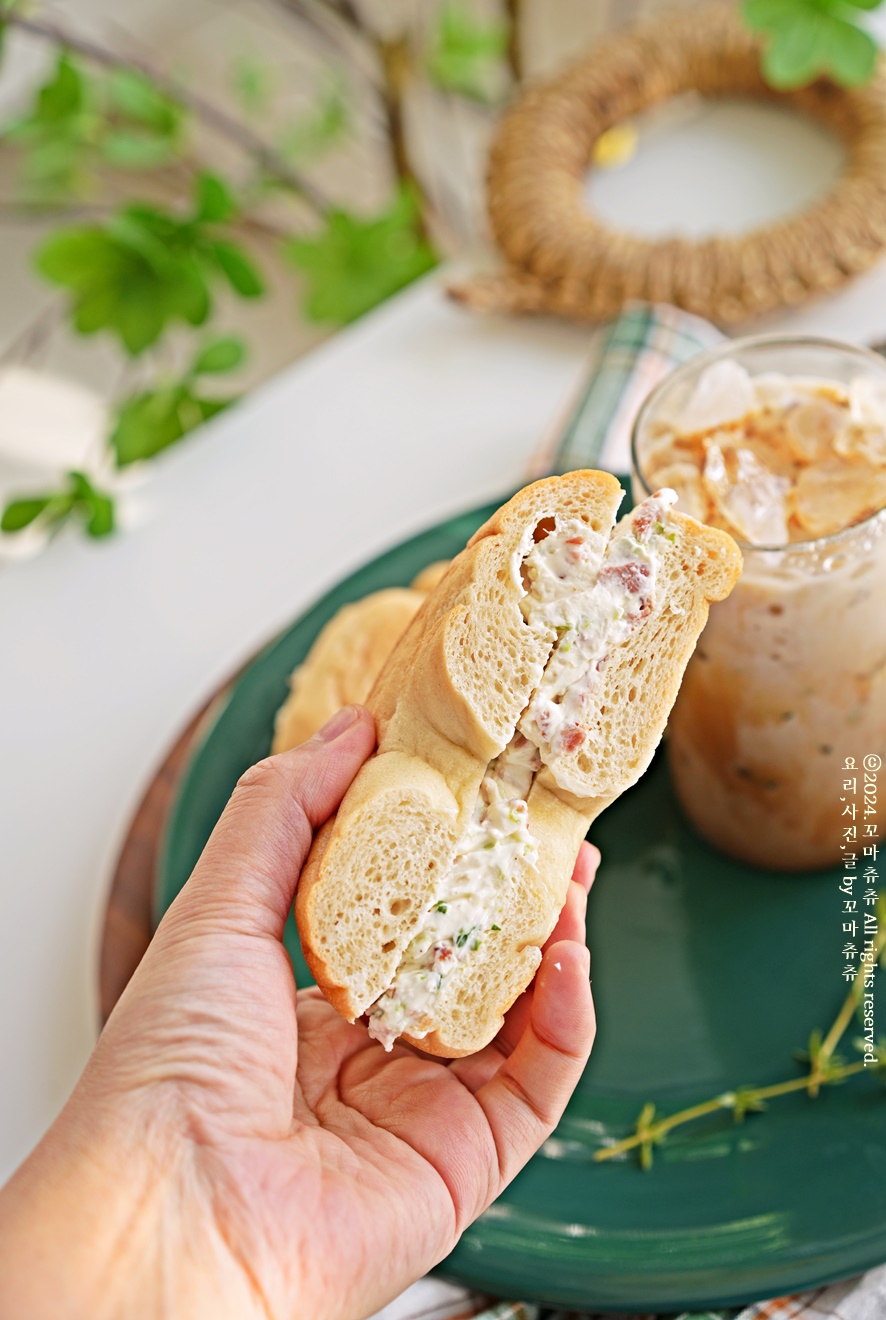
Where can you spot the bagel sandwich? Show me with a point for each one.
(529, 690)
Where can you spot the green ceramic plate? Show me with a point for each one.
(707, 975)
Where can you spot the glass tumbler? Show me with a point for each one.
(787, 685)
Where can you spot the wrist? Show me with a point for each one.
(76, 1221)
(108, 1218)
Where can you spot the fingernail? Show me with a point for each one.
(586, 954)
(338, 724)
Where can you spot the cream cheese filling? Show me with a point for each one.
(588, 595)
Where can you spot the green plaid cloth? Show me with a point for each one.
(628, 357)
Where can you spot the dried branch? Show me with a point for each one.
(347, 12)
(212, 115)
(393, 57)
(336, 30)
(14, 212)
(34, 335)
(514, 11)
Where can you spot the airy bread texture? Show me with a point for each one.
(447, 703)
(346, 657)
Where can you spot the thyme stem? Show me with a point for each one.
(819, 1074)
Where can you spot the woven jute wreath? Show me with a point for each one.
(561, 259)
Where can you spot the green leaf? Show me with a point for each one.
(878, 1049)
(132, 229)
(80, 486)
(132, 278)
(136, 97)
(101, 519)
(134, 309)
(219, 356)
(813, 1045)
(648, 1141)
(137, 221)
(64, 94)
(77, 123)
(60, 506)
(772, 15)
(852, 54)
(95, 507)
(148, 267)
(237, 268)
(57, 132)
(188, 295)
(647, 1114)
(209, 408)
(807, 39)
(94, 309)
(355, 263)
(745, 1101)
(79, 496)
(146, 424)
(133, 150)
(21, 513)
(150, 422)
(795, 54)
(215, 201)
(139, 316)
(78, 258)
(465, 52)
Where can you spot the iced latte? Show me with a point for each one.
(782, 443)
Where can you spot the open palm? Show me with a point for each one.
(319, 1174)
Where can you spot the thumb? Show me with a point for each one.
(247, 874)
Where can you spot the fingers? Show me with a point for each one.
(586, 864)
(250, 867)
(524, 1100)
(571, 921)
(570, 926)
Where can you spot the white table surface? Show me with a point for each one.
(418, 411)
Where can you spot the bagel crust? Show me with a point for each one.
(346, 657)
(529, 690)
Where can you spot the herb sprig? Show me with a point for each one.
(150, 269)
(76, 499)
(824, 1068)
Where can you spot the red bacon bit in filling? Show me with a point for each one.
(629, 575)
(571, 737)
(543, 720)
(643, 520)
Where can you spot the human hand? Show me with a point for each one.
(234, 1151)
